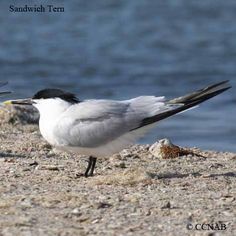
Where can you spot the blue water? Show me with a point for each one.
(122, 49)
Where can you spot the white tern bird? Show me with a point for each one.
(103, 127)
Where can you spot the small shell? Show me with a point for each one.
(166, 150)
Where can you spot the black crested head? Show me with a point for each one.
(56, 93)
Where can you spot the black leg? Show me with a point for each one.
(91, 166)
(86, 174)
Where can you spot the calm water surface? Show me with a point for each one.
(122, 49)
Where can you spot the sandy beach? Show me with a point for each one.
(43, 192)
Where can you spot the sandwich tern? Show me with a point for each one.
(104, 127)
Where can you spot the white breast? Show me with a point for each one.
(46, 128)
(50, 112)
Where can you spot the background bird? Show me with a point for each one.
(5, 92)
(103, 127)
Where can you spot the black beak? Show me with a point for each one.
(19, 102)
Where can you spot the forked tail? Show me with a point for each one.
(187, 101)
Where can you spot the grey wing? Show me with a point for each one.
(98, 122)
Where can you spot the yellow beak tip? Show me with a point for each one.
(8, 102)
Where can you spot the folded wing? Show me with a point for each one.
(97, 122)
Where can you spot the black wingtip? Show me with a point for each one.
(225, 82)
(3, 83)
(188, 101)
(4, 93)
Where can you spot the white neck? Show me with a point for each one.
(51, 108)
(50, 111)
